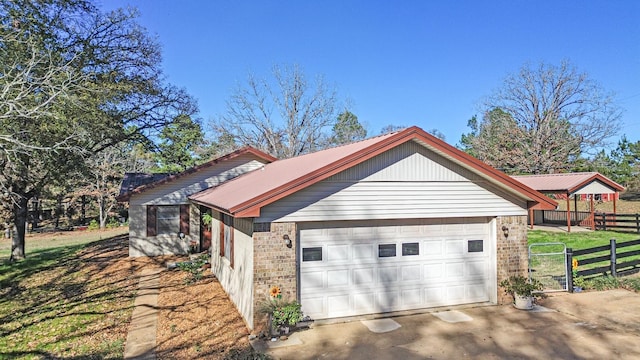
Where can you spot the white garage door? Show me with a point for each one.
(355, 268)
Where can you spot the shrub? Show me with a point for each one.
(93, 225)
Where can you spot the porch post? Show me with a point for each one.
(593, 216)
(531, 214)
(568, 213)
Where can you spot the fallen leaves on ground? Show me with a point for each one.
(198, 320)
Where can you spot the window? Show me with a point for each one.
(226, 237)
(386, 250)
(409, 249)
(312, 254)
(167, 220)
(475, 246)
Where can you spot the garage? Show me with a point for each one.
(398, 222)
(352, 268)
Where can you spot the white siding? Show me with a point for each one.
(141, 245)
(406, 182)
(236, 281)
(177, 191)
(595, 187)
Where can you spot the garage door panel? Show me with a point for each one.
(313, 280)
(339, 305)
(364, 303)
(388, 275)
(432, 248)
(337, 278)
(433, 271)
(388, 300)
(363, 252)
(411, 273)
(427, 264)
(338, 253)
(364, 276)
(454, 270)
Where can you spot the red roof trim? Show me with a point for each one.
(243, 151)
(599, 177)
(251, 208)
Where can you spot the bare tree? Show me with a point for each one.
(284, 117)
(551, 114)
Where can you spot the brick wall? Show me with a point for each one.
(273, 264)
(512, 253)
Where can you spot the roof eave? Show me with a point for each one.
(252, 207)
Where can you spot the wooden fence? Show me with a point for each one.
(619, 222)
(578, 218)
(611, 263)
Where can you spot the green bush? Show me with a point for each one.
(93, 225)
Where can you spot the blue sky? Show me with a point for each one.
(424, 63)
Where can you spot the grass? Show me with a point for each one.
(43, 242)
(71, 298)
(550, 269)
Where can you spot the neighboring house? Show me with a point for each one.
(398, 222)
(161, 219)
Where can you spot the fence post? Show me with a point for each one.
(604, 221)
(637, 223)
(569, 269)
(612, 243)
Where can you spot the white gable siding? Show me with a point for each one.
(177, 191)
(595, 187)
(406, 182)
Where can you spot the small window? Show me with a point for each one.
(475, 246)
(312, 254)
(386, 250)
(409, 249)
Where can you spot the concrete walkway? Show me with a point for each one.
(141, 340)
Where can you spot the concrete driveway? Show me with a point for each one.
(588, 325)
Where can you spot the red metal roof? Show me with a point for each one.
(126, 195)
(245, 195)
(566, 183)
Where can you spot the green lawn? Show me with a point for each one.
(579, 240)
(550, 269)
(71, 298)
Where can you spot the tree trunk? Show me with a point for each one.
(20, 222)
(102, 216)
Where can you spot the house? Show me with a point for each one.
(397, 222)
(162, 220)
(588, 186)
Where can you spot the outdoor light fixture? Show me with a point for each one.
(505, 231)
(181, 235)
(286, 239)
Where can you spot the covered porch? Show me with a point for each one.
(571, 188)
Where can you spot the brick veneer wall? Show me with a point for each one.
(512, 252)
(273, 264)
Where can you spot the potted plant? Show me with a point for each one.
(523, 290)
(282, 313)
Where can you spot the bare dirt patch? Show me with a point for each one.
(198, 320)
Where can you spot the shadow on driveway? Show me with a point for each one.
(589, 325)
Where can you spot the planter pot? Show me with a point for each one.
(523, 302)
